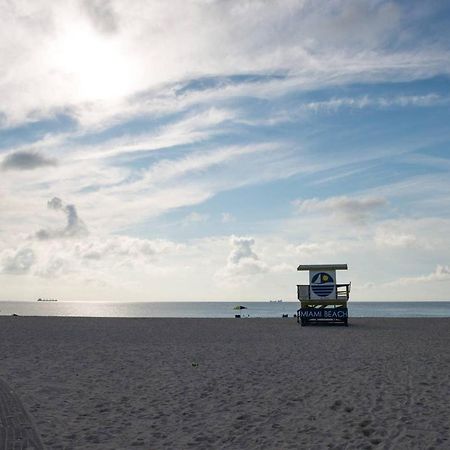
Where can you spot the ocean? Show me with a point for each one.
(214, 309)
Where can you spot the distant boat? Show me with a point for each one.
(47, 300)
(275, 301)
(240, 307)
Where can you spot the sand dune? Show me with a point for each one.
(230, 384)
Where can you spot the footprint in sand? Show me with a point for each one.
(364, 423)
(336, 405)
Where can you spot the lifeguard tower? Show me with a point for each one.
(323, 300)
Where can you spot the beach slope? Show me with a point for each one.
(231, 384)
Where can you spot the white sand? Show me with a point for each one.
(259, 383)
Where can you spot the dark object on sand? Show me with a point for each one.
(285, 315)
(237, 316)
(15, 315)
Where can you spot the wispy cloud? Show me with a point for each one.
(356, 210)
(227, 217)
(366, 101)
(105, 52)
(195, 218)
(441, 273)
(74, 226)
(191, 129)
(144, 112)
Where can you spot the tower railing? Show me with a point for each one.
(342, 292)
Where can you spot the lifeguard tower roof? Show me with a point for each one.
(323, 267)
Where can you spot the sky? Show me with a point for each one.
(203, 149)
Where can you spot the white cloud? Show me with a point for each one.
(17, 261)
(243, 263)
(195, 218)
(258, 267)
(102, 15)
(148, 100)
(366, 101)
(111, 198)
(352, 210)
(386, 237)
(242, 249)
(88, 257)
(123, 247)
(194, 128)
(227, 217)
(74, 227)
(97, 54)
(441, 273)
(315, 250)
(427, 233)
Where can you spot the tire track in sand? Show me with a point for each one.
(17, 431)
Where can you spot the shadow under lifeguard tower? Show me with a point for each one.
(323, 300)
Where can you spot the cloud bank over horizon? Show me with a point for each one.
(223, 144)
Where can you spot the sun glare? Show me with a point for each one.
(97, 65)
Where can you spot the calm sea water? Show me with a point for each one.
(215, 309)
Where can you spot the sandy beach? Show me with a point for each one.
(228, 383)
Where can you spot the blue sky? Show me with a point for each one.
(202, 150)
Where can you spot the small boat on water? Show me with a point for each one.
(275, 301)
(47, 300)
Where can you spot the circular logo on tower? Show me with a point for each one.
(322, 284)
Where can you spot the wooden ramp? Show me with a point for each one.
(17, 431)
